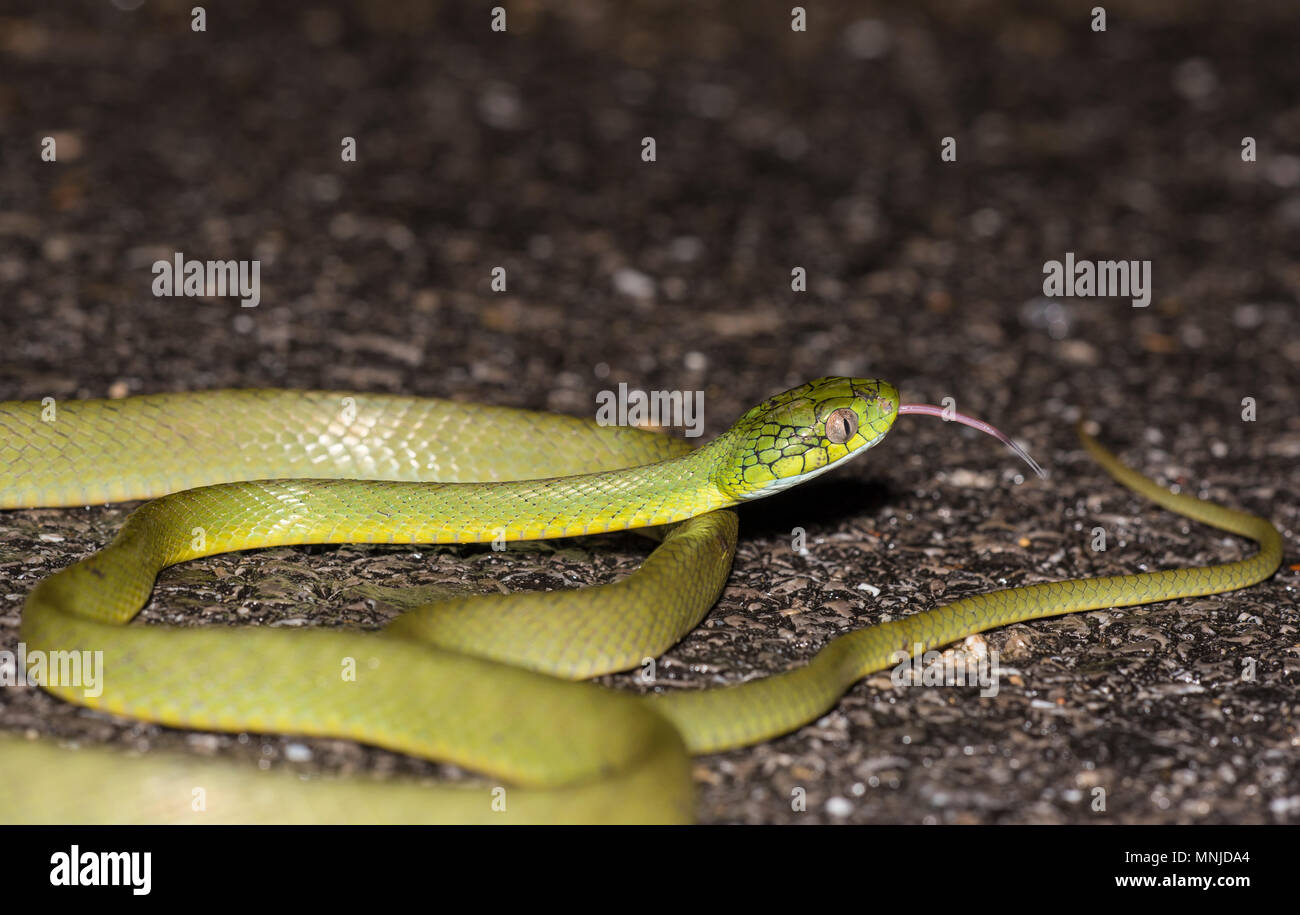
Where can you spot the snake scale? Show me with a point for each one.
(487, 682)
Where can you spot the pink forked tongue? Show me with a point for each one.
(949, 415)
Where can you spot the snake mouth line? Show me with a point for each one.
(784, 483)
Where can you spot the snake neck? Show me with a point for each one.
(264, 513)
(642, 496)
(261, 513)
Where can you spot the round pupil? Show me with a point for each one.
(841, 425)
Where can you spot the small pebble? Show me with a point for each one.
(634, 283)
(839, 807)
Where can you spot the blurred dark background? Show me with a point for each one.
(775, 149)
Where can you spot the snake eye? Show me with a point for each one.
(841, 425)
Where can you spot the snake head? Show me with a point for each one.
(803, 432)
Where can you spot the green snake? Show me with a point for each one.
(488, 682)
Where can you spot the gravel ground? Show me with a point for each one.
(775, 149)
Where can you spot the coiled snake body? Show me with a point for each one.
(486, 682)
